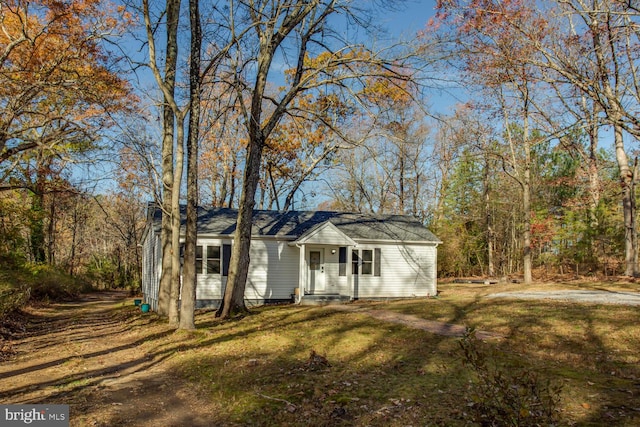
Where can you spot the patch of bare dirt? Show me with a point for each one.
(89, 356)
(415, 322)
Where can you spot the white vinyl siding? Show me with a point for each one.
(210, 285)
(405, 271)
(273, 271)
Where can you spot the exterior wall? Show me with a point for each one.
(273, 273)
(274, 270)
(407, 270)
(328, 235)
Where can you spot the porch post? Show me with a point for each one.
(302, 276)
(350, 271)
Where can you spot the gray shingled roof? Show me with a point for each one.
(292, 225)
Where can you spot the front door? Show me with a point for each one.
(316, 271)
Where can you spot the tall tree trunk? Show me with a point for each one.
(232, 183)
(609, 70)
(175, 226)
(51, 232)
(37, 238)
(164, 292)
(74, 238)
(592, 166)
(233, 302)
(188, 300)
(168, 122)
(628, 203)
(488, 218)
(37, 226)
(274, 191)
(401, 174)
(526, 200)
(526, 207)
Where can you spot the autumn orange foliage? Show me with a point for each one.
(56, 82)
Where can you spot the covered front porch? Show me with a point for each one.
(325, 273)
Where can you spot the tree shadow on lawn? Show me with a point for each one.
(380, 373)
(565, 342)
(157, 347)
(591, 349)
(390, 376)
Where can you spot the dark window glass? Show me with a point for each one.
(377, 254)
(367, 261)
(198, 259)
(213, 259)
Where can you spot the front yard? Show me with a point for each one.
(293, 365)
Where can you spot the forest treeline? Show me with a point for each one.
(530, 170)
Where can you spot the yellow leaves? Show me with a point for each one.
(340, 65)
(370, 78)
(387, 91)
(60, 44)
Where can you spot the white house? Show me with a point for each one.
(309, 256)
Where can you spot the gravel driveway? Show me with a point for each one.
(598, 297)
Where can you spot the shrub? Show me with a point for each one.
(106, 273)
(506, 396)
(12, 299)
(50, 284)
(21, 282)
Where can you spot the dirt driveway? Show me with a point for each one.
(83, 353)
(591, 296)
(113, 366)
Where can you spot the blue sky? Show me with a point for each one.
(412, 19)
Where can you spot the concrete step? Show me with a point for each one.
(325, 299)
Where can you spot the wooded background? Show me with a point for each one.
(529, 170)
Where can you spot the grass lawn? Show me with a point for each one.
(294, 365)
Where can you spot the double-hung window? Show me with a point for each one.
(367, 262)
(208, 259)
(213, 259)
(199, 259)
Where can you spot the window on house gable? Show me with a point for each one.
(213, 259)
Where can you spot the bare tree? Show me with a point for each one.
(291, 30)
(188, 294)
